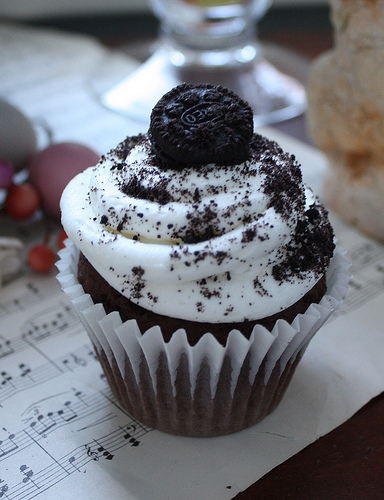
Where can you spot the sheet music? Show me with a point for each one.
(62, 433)
(52, 387)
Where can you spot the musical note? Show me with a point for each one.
(28, 473)
(3, 489)
(73, 361)
(61, 404)
(8, 446)
(49, 323)
(79, 396)
(32, 288)
(97, 452)
(25, 370)
(355, 285)
(29, 294)
(42, 427)
(72, 461)
(17, 303)
(6, 379)
(102, 448)
(92, 354)
(365, 254)
(380, 268)
(105, 453)
(29, 377)
(67, 414)
(132, 440)
(45, 423)
(78, 360)
(5, 348)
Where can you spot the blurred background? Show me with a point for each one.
(302, 25)
(41, 8)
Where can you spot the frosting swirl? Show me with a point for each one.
(221, 243)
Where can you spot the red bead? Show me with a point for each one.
(22, 201)
(41, 258)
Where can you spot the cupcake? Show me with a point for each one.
(200, 265)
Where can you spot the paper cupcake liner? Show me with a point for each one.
(205, 389)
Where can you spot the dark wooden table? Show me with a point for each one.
(348, 463)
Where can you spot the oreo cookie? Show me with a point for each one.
(194, 125)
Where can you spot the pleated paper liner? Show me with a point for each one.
(205, 389)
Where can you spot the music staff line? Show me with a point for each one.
(364, 286)
(46, 324)
(75, 409)
(27, 378)
(368, 277)
(92, 409)
(32, 294)
(33, 483)
(366, 254)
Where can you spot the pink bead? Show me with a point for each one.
(6, 174)
(51, 169)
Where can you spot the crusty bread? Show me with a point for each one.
(346, 113)
(354, 188)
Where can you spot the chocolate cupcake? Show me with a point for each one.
(200, 264)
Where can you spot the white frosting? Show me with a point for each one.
(139, 245)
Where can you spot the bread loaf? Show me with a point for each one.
(346, 113)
